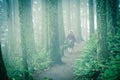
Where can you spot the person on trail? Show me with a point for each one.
(69, 43)
(71, 39)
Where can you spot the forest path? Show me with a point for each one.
(62, 71)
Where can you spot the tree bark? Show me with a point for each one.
(78, 13)
(68, 15)
(3, 72)
(102, 30)
(52, 18)
(60, 23)
(27, 35)
(91, 17)
(111, 16)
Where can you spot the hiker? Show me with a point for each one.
(71, 39)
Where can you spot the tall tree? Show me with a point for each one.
(91, 17)
(27, 36)
(102, 30)
(78, 18)
(60, 23)
(44, 28)
(118, 16)
(84, 18)
(13, 28)
(118, 8)
(44, 25)
(3, 29)
(11, 44)
(38, 19)
(10, 18)
(111, 16)
(68, 15)
(3, 72)
(61, 26)
(3, 18)
(52, 13)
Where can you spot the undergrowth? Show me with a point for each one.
(40, 62)
(87, 61)
(87, 67)
(112, 67)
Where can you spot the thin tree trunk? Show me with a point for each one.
(78, 21)
(60, 22)
(91, 17)
(68, 15)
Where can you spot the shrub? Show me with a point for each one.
(87, 61)
(112, 67)
(39, 62)
(112, 71)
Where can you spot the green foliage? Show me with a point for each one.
(112, 67)
(112, 71)
(14, 66)
(87, 60)
(114, 45)
(42, 60)
(87, 65)
(16, 75)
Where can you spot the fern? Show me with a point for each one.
(87, 61)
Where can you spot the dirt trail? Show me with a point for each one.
(62, 71)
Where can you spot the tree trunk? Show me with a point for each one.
(61, 27)
(11, 36)
(37, 23)
(84, 22)
(3, 27)
(102, 30)
(91, 17)
(3, 72)
(118, 17)
(60, 23)
(78, 18)
(111, 16)
(44, 25)
(27, 36)
(68, 16)
(52, 18)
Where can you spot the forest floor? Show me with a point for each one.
(61, 71)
